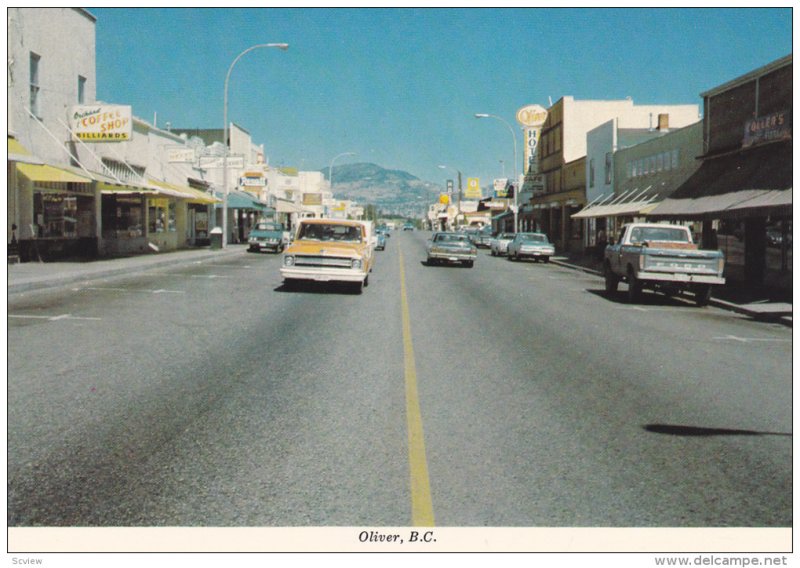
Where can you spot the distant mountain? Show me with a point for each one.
(391, 191)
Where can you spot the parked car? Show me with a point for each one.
(451, 247)
(269, 236)
(530, 245)
(662, 257)
(329, 250)
(499, 244)
(408, 227)
(380, 243)
(483, 238)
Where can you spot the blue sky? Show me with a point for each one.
(400, 86)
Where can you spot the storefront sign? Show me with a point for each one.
(253, 179)
(213, 162)
(180, 155)
(101, 123)
(532, 115)
(501, 187)
(312, 199)
(473, 190)
(775, 126)
(532, 118)
(444, 199)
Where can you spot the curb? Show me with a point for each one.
(43, 282)
(781, 319)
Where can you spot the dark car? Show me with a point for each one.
(269, 236)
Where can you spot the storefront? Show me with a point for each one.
(54, 212)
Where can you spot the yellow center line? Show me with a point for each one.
(421, 504)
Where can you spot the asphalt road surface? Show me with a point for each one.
(508, 394)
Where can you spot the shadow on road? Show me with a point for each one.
(677, 430)
(646, 298)
(319, 288)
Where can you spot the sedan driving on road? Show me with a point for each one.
(531, 245)
(451, 248)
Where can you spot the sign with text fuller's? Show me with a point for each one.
(102, 123)
(473, 190)
(775, 126)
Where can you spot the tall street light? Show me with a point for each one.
(458, 206)
(281, 46)
(516, 181)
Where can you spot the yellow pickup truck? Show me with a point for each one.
(329, 250)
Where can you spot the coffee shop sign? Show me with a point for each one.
(102, 123)
(775, 126)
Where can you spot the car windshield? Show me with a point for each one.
(330, 232)
(269, 227)
(641, 234)
(533, 238)
(506, 236)
(451, 238)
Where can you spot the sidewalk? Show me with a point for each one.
(763, 305)
(29, 276)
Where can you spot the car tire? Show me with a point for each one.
(634, 287)
(546, 259)
(469, 263)
(702, 295)
(494, 253)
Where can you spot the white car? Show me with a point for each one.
(499, 244)
(531, 245)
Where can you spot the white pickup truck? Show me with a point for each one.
(662, 257)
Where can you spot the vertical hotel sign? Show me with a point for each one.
(532, 119)
(101, 123)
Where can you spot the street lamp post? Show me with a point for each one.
(282, 46)
(516, 181)
(458, 206)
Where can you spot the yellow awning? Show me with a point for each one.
(14, 147)
(50, 174)
(184, 192)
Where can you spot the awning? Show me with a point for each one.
(50, 174)
(19, 153)
(629, 209)
(242, 200)
(754, 181)
(508, 213)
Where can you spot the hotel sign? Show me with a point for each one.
(532, 119)
(775, 126)
(101, 123)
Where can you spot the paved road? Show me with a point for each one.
(206, 395)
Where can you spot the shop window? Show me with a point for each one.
(660, 162)
(122, 217)
(34, 84)
(157, 219)
(675, 159)
(171, 224)
(55, 215)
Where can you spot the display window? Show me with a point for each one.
(62, 215)
(123, 216)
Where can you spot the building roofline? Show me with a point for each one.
(747, 77)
